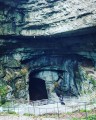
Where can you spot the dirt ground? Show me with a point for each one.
(64, 116)
(25, 118)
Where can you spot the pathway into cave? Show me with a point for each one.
(37, 89)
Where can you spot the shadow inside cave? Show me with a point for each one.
(37, 89)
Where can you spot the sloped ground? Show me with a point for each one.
(74, 108)
(66, 116)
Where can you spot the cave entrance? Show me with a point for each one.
(37, 89)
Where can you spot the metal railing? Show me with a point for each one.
(49, 109)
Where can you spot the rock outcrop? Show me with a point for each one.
(75, 56)
(46, 38)
(45, 17)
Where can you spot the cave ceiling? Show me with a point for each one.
(48, 27)
(40, 38)
(45, 17)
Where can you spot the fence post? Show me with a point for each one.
(58, 110)
(46, 112)
(85, 111)
(34, 108)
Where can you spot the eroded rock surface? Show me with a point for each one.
(74, 56)
(47, 37)
(45, 17)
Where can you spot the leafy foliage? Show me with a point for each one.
(92, 117)
(3, 93)
(3, 90)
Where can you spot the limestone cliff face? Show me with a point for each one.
(45, 17)
(45, 57)
(47, 37)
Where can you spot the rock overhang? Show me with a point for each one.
(75, 42)
(42, 18)
(33, 32)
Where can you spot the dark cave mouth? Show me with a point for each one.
(37, 86)
(37, 89)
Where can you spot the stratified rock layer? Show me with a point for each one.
(47, 37)
(45, 57)
(45, 17)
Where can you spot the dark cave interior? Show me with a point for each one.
(37, 89)
(37, 86)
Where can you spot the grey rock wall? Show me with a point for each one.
(78, 76)
(25, 45)
(45, 17)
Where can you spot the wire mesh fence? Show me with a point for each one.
(47, 110)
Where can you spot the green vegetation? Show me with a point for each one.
(3, 93)
(3, 90)
(28, 114)
(6, 104)
(52, 115)
(91, 117)
(84, 110)
(78, 119)
(9, 113)
(93, 81)
(12, 112)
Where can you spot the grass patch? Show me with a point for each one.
(6, 104)
(78, 119)
(91, 117)
(12, 112)
(8, 113)
(28, 114)
(50, 115)
(84, 111)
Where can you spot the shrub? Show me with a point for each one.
(3, 93)
(92, 117)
